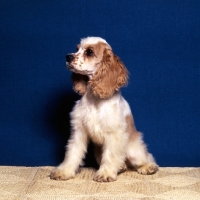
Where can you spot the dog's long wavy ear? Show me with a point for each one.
(111, 75)
(80, 83)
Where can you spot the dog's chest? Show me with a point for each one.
(98, 119)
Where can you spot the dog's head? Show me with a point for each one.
(95, 59)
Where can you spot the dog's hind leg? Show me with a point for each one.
(139, 158)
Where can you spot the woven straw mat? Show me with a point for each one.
(28, 183)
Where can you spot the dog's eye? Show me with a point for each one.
(89, 52)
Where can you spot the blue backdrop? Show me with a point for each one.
(159, 42)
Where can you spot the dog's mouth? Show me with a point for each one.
(73, 69)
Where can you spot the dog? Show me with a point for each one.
(102, 116)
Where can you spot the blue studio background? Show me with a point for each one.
(159, 42)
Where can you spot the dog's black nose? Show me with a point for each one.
(69, 58)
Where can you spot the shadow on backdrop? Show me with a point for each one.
(59, 121)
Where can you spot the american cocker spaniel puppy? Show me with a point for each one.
(102, 115)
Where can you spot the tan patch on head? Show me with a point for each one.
(83, 57)
(97, 50)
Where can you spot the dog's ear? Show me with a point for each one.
(80, 83)
(110, 76)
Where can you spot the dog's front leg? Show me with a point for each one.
(112, 160)
(75, 152)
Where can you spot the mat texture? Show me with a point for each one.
(27, 183)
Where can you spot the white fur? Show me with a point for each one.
(102, 121)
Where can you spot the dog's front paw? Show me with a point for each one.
(105, 177)
(148, 169)
(61, 174)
